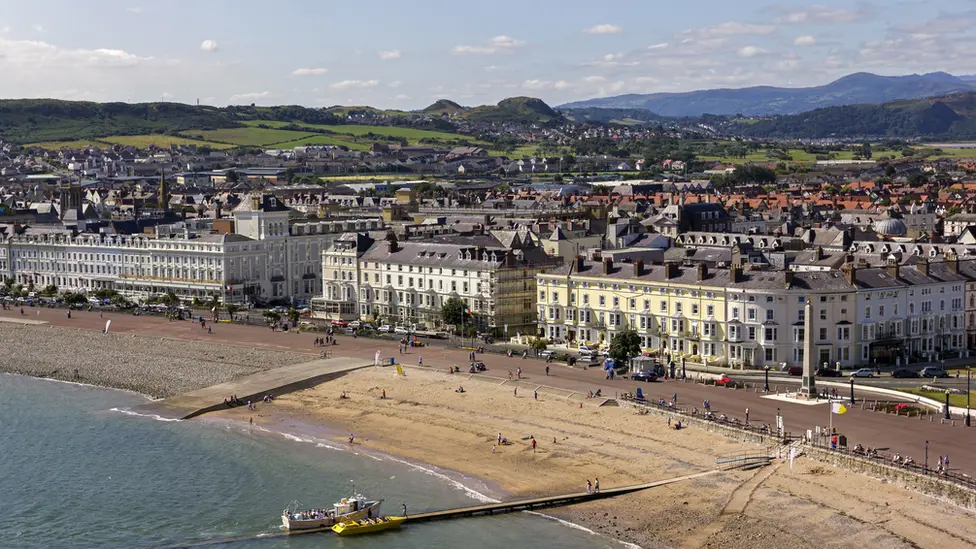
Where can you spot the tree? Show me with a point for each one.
(866, 150)
(538, 344)
(890, 171)
(751, 174)
(625, 346)
(231, 176)
(290, 175)
(293, 315)
(231, 309)
(917, 180)
(272, 316)
(454, 311)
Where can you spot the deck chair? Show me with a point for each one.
(640, 394)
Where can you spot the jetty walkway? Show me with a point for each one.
(254, 387)
(489, 509)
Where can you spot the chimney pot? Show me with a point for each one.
(607, 266)
(638, 267)
(702, 271)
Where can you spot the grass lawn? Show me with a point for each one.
(323, 140)
(939, 396)
(926, 152)
(143, 141)
(77, 144)
(411, 134)
(247, 136)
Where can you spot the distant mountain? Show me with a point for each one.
(950, 116)
(858, 88)
(519, 110)
(443, 106)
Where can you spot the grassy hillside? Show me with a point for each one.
(523, 110)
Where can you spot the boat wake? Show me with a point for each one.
(150, 416)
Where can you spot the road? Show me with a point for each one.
(873, 429)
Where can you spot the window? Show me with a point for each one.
(823, 314)
(735, 312)
(752, 313)
(823, 334)
(677, 308)
(664, 306)
(586, 299)
(752, 333)
(769, 299)
(880, 310)
(616, 301)
(633, 303)
(769, 315)
(823, 299)
(770, 334)
(771, 355)
(542, 295)
(603, 300)
(867, 312)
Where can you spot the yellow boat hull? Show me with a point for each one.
(367, 526)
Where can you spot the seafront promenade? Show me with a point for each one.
(897, 434)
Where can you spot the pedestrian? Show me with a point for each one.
(747, 414)
(547, 371)
(404, 509)
(535, 395)
(596, 485)
(533, 444)
(669, 421)
(516, 392)
(674, 399)
(945, 465)
(209, 330)
(420, 360)
(589, 486)
(493, 448)
(76, 373)
(518, 372)
(499, 437)
(352, 437)
(251, 421)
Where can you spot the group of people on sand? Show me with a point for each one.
(234, 401)
(327, 340)
(593, 487)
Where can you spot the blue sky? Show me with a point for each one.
(405, 55)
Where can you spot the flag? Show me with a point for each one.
(837, 407)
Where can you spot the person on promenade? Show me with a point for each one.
(420, 360)
(499, 437)
(747, 414)
(518, 372)
(547, 371)
(535, 395)
(596, 485)
(589, 486)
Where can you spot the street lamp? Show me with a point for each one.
(766, 382)
(947, 415)
(967, 394)
(926, 456)
(852, 391)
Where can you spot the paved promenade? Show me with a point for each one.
(899, 434)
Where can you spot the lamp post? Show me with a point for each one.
(926, 456)
(852, 391)
(766, 381)
(947, 415)
(968, 368)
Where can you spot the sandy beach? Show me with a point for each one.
(424, 419)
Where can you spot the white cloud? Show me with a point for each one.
(605, 28)
(38, 28)
(306, 71)
(730, 28)
(42, 55)
(751, 51)
(389, 54)
(593, 79)
(562, 85)
(804, 41)
(208, 45)
(658, 46)
(135, 10)
(818, 14)
(497, 44)
(250, 97)
(536, 84)
(346, 84)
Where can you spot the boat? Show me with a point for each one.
(353, 508)
(367, 526)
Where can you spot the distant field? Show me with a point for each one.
(798, 155)
(323, 140)
(410, 134)
(947, 153)
(143, 141)
(79, 144)
(249, 136)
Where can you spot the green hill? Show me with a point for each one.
(950, 116)
(519, 110)
(443, 106)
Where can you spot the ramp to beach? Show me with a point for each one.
(253, 387)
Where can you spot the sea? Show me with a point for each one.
(79, 469)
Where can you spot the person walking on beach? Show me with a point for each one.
(493, 448)
(535, 395)
(589, 487)
(352, 437)
(747, 414)
(518, 372)
(547, 371)
(533, 444)
(516, 392)
(499, 437)
(596, 485)
(420, 360)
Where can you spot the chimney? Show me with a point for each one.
(580, 261)
(735, 274)
(702, 272)
(953, 263)
(255, 202)
(638, 267)
(923, 266)
(670, 270)
(217, 209)
(607, 266)
(893, 269)
(788, 278)
(850, 273)
(819, 253)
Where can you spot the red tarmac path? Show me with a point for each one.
(899, 434)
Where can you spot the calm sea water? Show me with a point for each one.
(75, 474)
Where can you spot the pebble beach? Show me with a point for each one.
(156, 367)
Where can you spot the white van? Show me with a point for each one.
(587, 352)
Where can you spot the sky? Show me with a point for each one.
(406, 55)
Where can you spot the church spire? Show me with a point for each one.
(163, 192)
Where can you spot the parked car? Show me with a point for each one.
(401, 330)
(904, 372)
(863, 372)
(644, 376)
(829, 372)
(384, 329)
(588, 353)
(795, 370)
(933, 371)
(355, 325)
(547, 354)
(340, 323)
(724, 380)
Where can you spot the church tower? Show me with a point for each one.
(163, 193)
